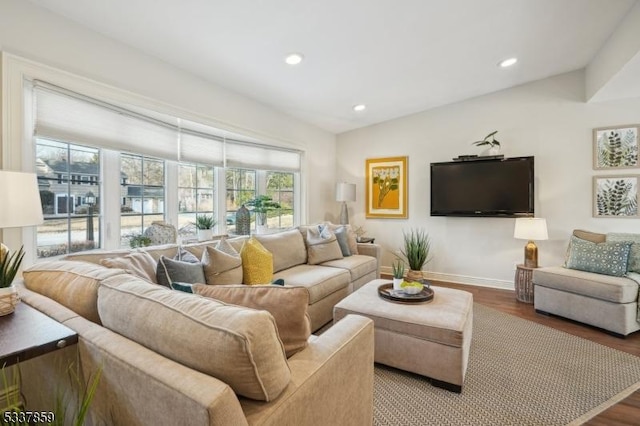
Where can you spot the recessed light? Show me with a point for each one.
(359, 107)
(294, 58)
(507, 62)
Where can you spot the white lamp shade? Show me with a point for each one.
(531, 228)
(19, 200)
(345, 191)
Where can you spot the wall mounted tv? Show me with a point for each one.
(483, 188)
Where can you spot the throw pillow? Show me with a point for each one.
(222, 266)
(343, 241)
(351, 236)
(608, 258)
(170, 270)
(288, 305)
(593, 237)
(322, 245)
(257, 263)
(185, 256)
(634, 251)
(186, 287)
(139, 263)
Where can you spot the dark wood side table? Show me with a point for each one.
(524, 286)
(28, 333)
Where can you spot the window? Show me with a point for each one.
(280, 189)
(196, 192)
(141, 194)
(241, 187)
(71, 209)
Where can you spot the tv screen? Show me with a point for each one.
(487, 188)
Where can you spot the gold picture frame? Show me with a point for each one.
(386, 188)
(616, 196)
(616, 147)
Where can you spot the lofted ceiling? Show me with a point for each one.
(397, 57)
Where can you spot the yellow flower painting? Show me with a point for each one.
(386, 187)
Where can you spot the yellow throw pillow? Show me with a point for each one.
(257, 263)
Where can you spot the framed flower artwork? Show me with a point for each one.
(386, 187)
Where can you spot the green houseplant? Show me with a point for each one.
(398, 274)
(9, 266)
(416, 250)
(262, 205)
(204, 226)
(493, 145)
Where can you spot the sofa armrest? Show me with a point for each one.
(373, 250)
(332, 381)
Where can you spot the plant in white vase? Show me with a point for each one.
(204, 226)
(398, 274)
(9, 266)
(261, 205)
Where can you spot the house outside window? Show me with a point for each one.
(196, 195)
(70, 225)
(142, 194)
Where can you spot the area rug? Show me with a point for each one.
(519, 373)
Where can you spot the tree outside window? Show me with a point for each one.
(280, 189)
(241, 187)
(196, 195)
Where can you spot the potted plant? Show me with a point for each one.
(398, 274)
(262, 204)
(493, 145)
(9, 265)
(416, 252)
(204, 226)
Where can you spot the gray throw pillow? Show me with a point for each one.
(169, 271)
(609, 258)
(343, 240)
(186, 256)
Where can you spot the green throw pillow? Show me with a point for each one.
(186, 287)
(609, 258)
(634, 251)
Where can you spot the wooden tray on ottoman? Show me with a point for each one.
(386, 292)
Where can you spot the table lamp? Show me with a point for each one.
(19, 206)
(530, 228)
(345, 192)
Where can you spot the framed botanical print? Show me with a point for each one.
(616, 147)
(386, 187)
(615, 196)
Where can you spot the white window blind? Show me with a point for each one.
(202, 149)
(63, 115)
(251, 156)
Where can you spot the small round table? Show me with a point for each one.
(524, 286)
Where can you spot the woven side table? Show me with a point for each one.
(524, 286)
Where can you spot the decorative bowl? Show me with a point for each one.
(413, 289)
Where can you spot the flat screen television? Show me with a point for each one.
(483, 188)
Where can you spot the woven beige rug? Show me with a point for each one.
(520, 373)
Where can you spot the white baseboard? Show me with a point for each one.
(460, 279)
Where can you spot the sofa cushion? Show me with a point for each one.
(351, 236)
(343, 240)
(603, 258)
(322, 245)
(287, 247)
(170, 270)
(222, 267)
(597, 286)
(634, 251)
(358, 265)
(138, 263)
(320, 281)
(72, 284)
(288, 305)
(257, 263)
(239, 346)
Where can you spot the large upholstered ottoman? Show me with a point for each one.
(431, 339)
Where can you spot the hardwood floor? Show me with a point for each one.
(627, 412)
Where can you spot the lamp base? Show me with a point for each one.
(531, 255)
(344, 214)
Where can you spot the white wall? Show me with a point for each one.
(547, 119)
(34, 33)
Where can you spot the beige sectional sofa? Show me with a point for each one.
(170, 358)
(604, 301)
